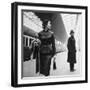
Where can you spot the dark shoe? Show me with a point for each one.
(72, 70)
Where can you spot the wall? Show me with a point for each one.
(5, 46)
(58, 28)
(30, 20)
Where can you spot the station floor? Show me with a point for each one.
(29, 68)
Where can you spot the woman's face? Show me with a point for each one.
(48, 26)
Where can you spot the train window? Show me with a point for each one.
(30, 41)
(26, 41)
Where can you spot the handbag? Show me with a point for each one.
(54, 64)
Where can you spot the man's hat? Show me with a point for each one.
(71, 32)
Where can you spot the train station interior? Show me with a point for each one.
(61, 24)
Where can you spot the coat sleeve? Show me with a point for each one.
(68, 44)
(71, 45)
(53, 44)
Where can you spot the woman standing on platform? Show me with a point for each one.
(47, 48)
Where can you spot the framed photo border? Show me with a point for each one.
(14, 43)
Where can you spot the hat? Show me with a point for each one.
(71, 32)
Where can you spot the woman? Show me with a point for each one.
(47, 48)
(71, 51)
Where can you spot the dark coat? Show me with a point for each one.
(47, 42)
(47, 50)
(71, 50)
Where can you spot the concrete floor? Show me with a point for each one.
(61, 63)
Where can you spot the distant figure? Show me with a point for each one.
(71, 51)
(47, 48)
(36, 50)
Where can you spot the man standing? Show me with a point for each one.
(71, 51)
